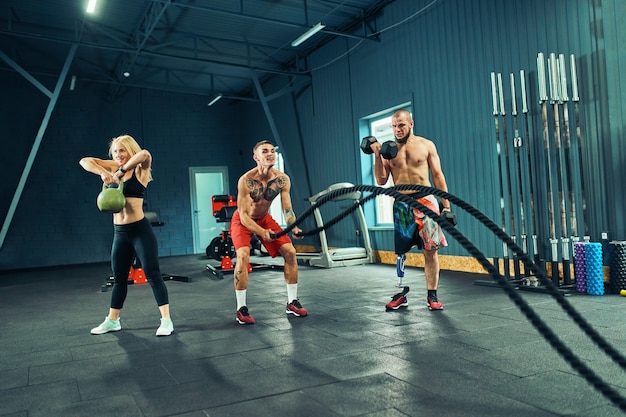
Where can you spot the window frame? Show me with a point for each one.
(276, 208)
(379, 126)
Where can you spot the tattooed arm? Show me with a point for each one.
(285, 199)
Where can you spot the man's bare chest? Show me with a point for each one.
(265, 191)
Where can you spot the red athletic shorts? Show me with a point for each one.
(242, 236)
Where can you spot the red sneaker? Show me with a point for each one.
(434, 303)
(397, 301)
(296, 309)
(243, 317)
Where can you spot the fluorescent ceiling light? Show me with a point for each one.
(306, 35)
(215, 99)
(91, 6)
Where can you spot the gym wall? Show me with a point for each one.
(439, 60)
(56, 221)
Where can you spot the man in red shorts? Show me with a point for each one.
(256, 189)
(417, 160)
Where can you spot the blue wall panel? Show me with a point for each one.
(57, 221)
(440, 60)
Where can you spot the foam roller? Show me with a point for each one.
(617, 280)
(580, 267)
(593, 263)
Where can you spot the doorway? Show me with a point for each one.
(205, 182)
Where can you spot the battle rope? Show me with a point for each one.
(333, 221)
(547, 333)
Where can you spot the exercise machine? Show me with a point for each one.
(330, 258)
(221, 247)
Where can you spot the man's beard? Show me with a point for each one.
(404, 139)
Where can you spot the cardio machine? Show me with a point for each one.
(330, 258)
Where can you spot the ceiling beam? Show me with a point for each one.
(35, 148)
(148, 23)
(129, 50)
(304, 26)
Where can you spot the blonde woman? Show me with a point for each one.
(133, 234)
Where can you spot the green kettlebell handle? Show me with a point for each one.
(120, 186)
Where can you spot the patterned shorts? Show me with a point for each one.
(414, 228)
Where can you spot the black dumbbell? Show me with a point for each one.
(366, 144)
(450, 217)
(388, 150)
(447, 215)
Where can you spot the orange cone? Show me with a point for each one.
(137, 276)
(227, 263)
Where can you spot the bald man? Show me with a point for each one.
(416, 162)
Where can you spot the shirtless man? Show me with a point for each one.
(417, 159)
(256, 189)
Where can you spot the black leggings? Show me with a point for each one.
(128, 240)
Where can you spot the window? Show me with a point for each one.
(379, 125)
(276, 209)
(381, 129)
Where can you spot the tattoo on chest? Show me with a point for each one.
(258, 191)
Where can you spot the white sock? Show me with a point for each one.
(241, 298)
(292, 292)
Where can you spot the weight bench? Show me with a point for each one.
(136, 274)
(154, 220)
(221, 247)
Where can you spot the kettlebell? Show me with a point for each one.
(111, 198)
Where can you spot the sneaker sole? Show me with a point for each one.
(108, 331)
(296, 314)
(165, 334)
(388, 308)
(435, 309)
(244, 322)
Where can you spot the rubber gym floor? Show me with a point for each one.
(480, 356)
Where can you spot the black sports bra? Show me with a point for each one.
(133, 188)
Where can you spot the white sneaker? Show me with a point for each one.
(166, 328)
(107, 326)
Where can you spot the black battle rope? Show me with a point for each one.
(564, 351)
(328, 224)
(320, 202)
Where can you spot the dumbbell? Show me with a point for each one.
(388, 150)
(449, 216)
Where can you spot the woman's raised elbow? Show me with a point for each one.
(84, 162)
